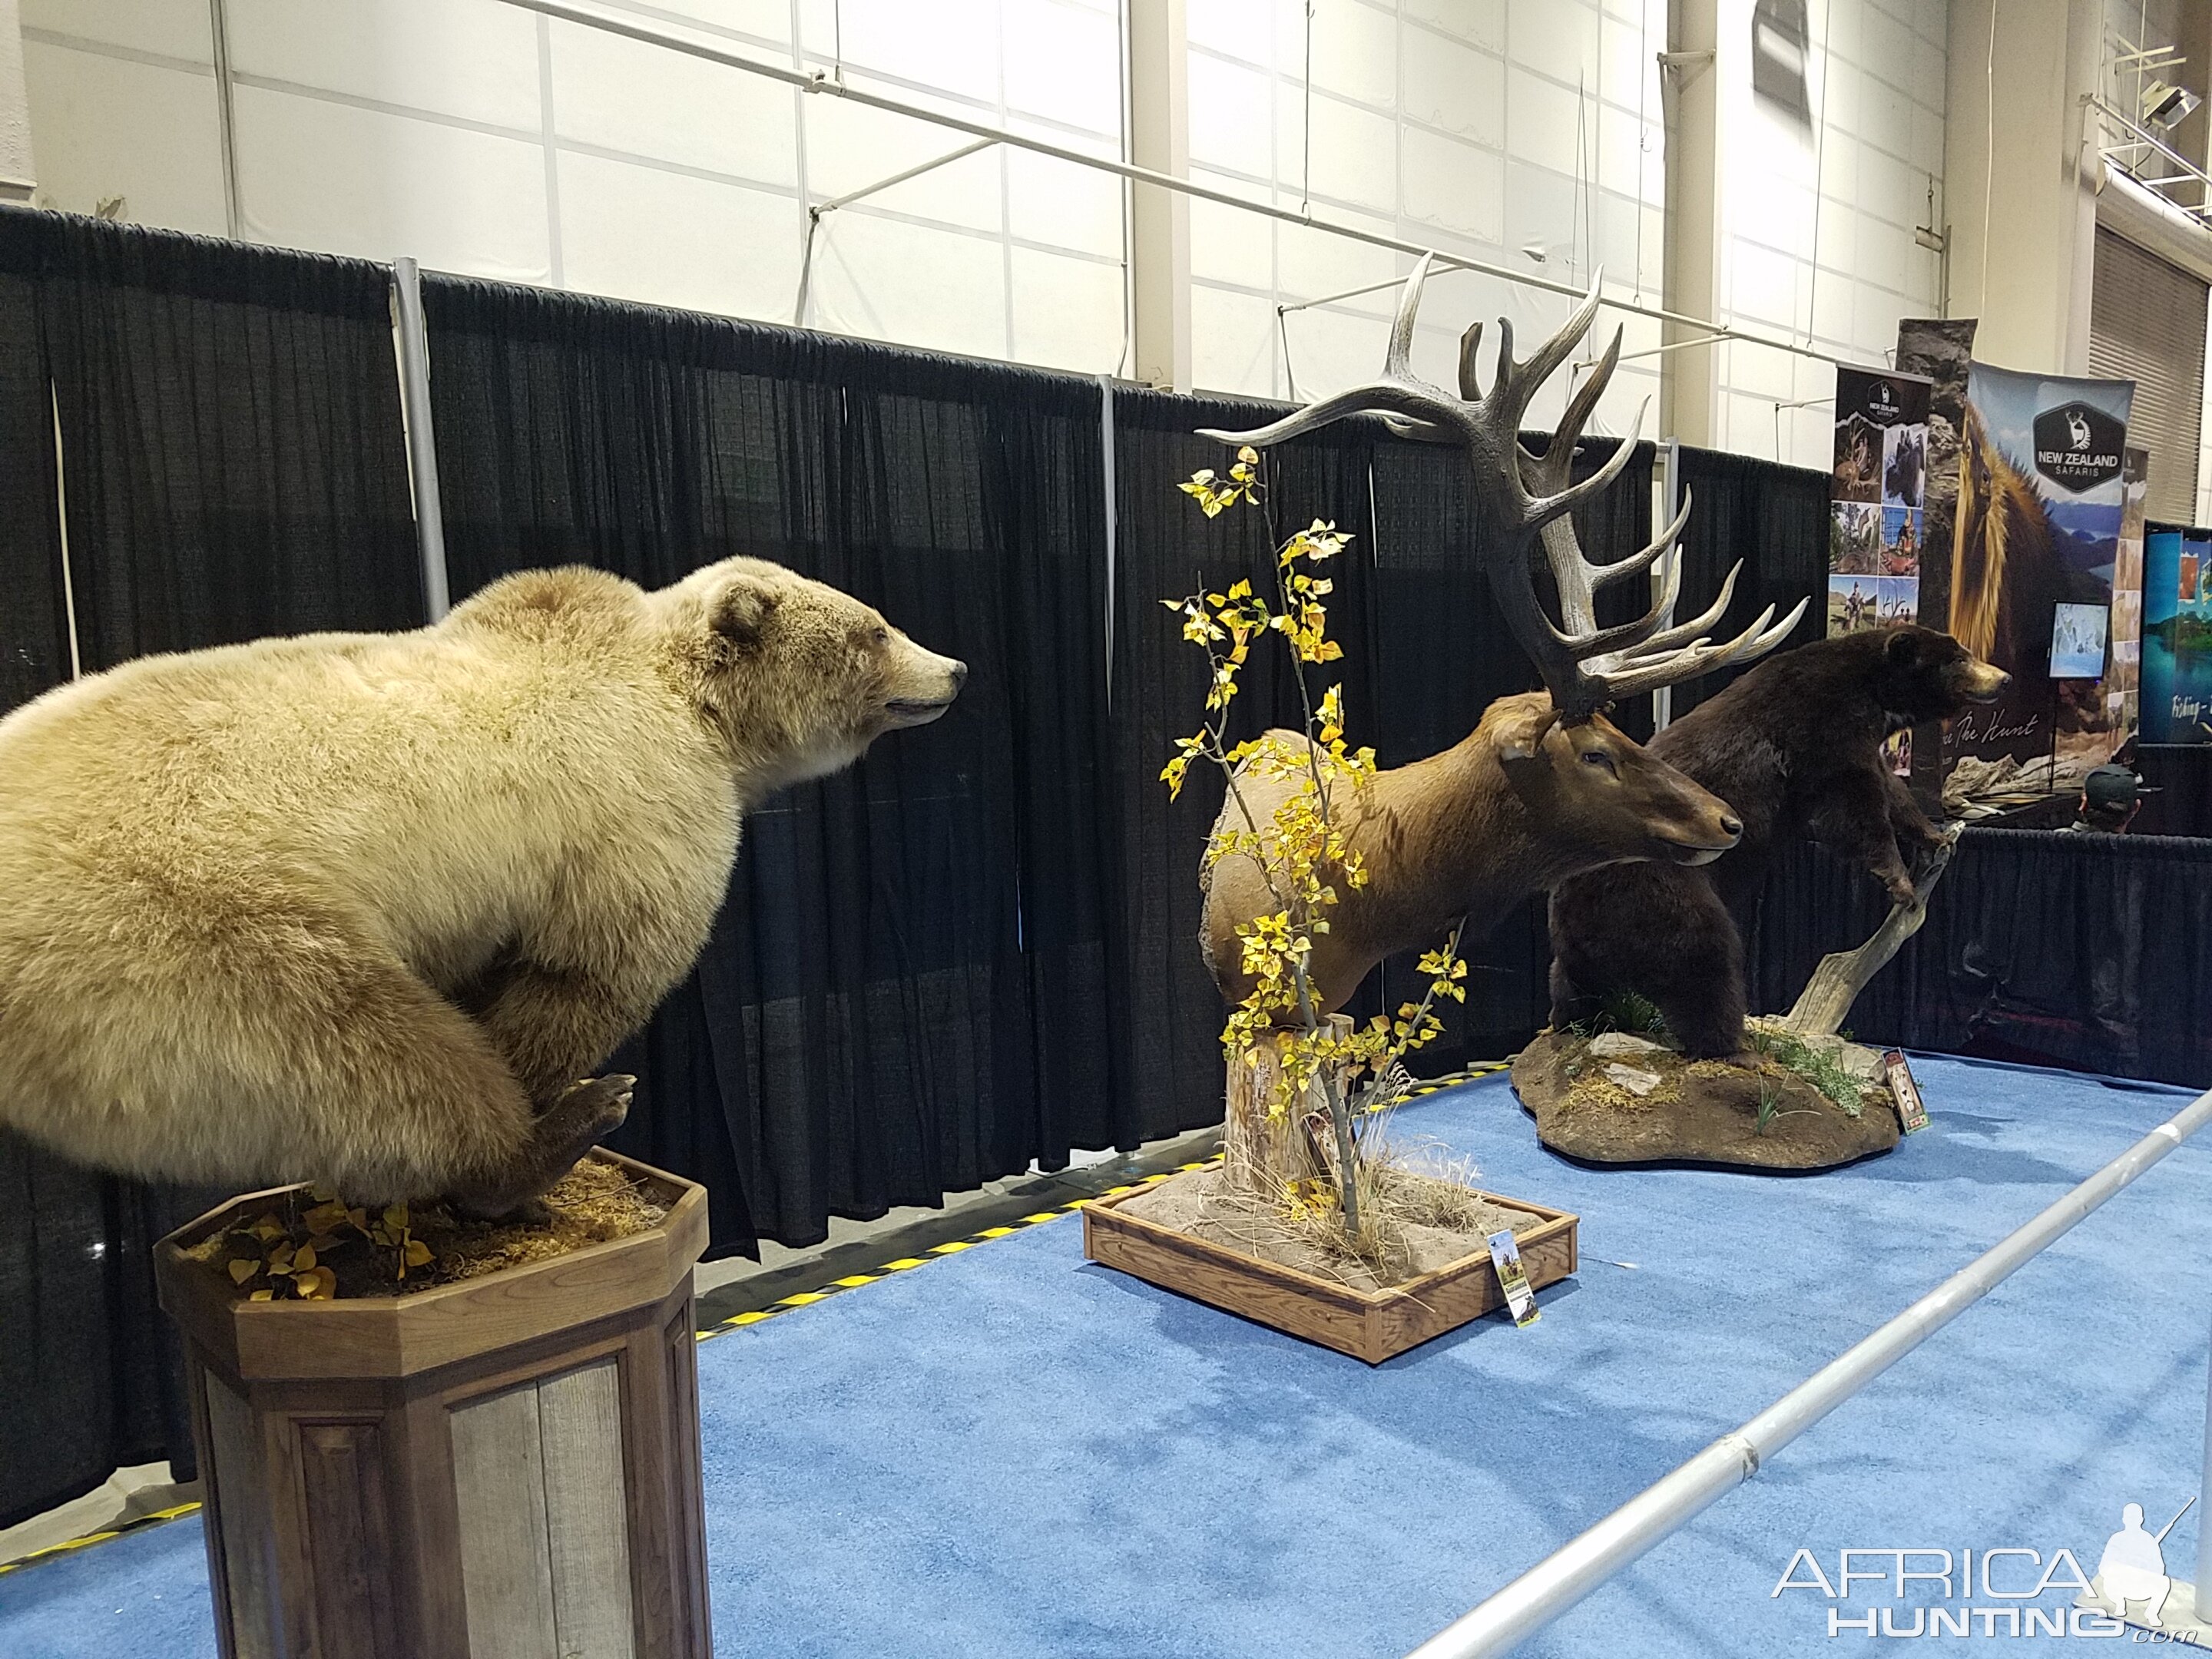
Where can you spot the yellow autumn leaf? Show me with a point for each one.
(418, 1253)
(261, 1296)
(318, 1285)
(303, 1260)
(242, 1269)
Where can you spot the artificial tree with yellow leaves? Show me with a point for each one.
(1306, 1088)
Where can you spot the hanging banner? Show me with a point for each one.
(2177, 636)
(1942, 349)
(2035, 545)
(1877, 492)
(2122, 684)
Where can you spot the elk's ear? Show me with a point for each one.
(1521, 755)
(739, 614)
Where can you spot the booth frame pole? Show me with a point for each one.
(421, 440)
(2204, 1521)
(1564, 1577)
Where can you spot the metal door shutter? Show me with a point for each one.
(2146, 324)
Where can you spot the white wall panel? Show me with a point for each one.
(313, 173)
(1482, 22)
(1454, 186)
(887, 279)
(1232, 340)
(623, 95)
(474, 60)
(1064, 62)
(168, 28)
(1067, 205)
(104, 127)
(1450, 87)
(1067, 313)
(670, 239)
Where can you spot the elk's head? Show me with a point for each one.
(1578, 775)
(1601, 797)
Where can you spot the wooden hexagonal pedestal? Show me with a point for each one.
(503, 1467)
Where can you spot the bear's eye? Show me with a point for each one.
(1599, 757)
(883, 636)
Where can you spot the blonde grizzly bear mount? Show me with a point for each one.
(363, 908)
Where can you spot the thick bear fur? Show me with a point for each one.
(365, 908)
(1794, 747)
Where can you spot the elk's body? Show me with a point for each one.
(1518, 806)
(1545, 788)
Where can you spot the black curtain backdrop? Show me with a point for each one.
(233, 467)
(2085, 950)
(1424, 653)
(1773, 517)
(2182, 772)
(908, 990)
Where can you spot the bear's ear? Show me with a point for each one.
(1904, 647)
(739, 614)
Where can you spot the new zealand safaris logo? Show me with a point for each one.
(2078, 447)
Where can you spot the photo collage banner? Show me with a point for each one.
(1878, 496)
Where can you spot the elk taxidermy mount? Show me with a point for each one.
(1546, 787)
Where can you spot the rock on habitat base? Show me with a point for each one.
(1704, 1112)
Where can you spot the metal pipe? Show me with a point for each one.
(422, 443)
(914, 172)
(830, 86)
(2204, 1523)
(1558, 1582)
(225, 120)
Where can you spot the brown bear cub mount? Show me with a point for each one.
(1618, 1097)
(1794, 748)
(362, 909)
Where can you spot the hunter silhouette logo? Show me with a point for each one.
(2131, 1572)
(2078, 447)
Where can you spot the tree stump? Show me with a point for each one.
(1262, 1154)
(502, 1468)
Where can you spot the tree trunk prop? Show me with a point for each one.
(1835, 985)
(1262, 1154)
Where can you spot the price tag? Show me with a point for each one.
(1902, 1089)
(1505, 1256)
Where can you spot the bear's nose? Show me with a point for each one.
(1731, 825)
(959, 675)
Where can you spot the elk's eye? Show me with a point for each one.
(1599, 757)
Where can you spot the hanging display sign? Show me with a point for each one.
(2177, 636)
(1877, 496)
(2035, 554)
(1942, 350)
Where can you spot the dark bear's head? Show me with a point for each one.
(1922, 675)
(799, 676)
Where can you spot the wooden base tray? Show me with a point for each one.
(1370, 1324)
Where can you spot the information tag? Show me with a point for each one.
(1505, 1256)
(1902, 1089)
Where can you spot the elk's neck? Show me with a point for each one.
(1459, 839)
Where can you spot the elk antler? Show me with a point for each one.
(1531, 497)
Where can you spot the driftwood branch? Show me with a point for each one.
(1835, 985)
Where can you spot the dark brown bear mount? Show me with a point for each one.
(1620, 1098)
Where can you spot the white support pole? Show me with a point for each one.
(422, 444)
(1559, 1581)
(1159, 228)
(2204, 1521)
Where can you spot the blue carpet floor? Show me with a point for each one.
(1011, 1452)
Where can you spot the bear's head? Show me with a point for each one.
(799, 678)
(1925, 676)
